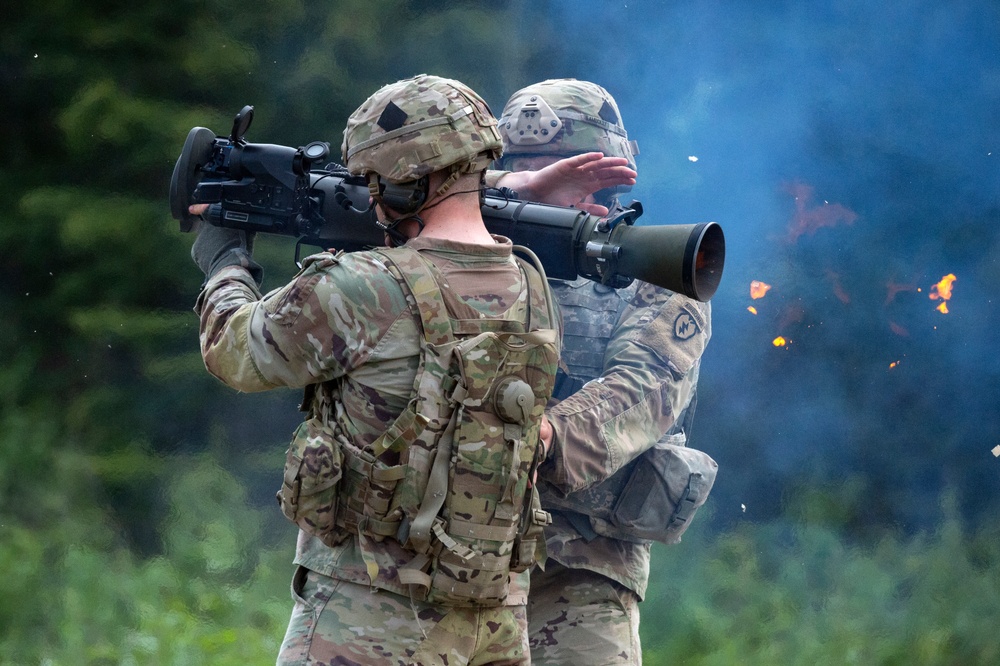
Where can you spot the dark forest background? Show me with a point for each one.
(849, 150)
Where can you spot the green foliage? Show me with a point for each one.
(217, 594)
(797, 593)
(130, 480)
(779, 593)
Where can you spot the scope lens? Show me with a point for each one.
(315, 150)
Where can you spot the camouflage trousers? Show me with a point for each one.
(336, 622)
(580, 618)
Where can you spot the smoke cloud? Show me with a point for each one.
(850, 151)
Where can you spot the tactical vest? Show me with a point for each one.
(466, 446)
(654, 497)
(590, 312)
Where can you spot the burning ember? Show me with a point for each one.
(752, 310)
(779, 342)
(942, 291)
(758, 289)
(894, 364)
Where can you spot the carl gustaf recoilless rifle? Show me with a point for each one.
(276, 189)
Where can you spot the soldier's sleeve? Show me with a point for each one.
(650, 371)
(325, 322)
(492, 177)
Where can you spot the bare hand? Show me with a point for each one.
(569, 181)
(545, 434)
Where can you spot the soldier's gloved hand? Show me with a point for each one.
(218, 247)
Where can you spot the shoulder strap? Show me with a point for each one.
(443, 318)
(410, 269)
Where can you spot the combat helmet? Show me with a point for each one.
(414, 127)
(564, 117)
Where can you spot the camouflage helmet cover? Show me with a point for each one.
(417, 126)
(564, 117)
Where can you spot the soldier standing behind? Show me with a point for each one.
(426, 367)
(625, 398)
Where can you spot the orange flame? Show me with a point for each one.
(894, 364)
(758, 289)
(779, 342)
(942, 291)
(807, 220)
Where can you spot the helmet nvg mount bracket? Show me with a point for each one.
(561, 118)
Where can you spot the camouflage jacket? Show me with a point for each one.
(651, 360)
(345, 319)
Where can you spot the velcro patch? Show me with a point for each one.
(675, 332)
(607, 113)
(392, 117)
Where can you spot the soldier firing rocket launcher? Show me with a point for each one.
(276, 189)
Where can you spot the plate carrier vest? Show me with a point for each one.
(467, 443)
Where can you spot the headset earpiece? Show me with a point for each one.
(405, 198)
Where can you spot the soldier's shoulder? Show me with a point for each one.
(362, 265)
(648, 295)
(359, 277)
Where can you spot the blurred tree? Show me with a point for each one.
(96, 279)
(104, 401)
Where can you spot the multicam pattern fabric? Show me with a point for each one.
(464, 459)
(417, 126)
(310, 488)
(648, 380)
(580, 618)
(341, 623)
(563, 117)
(345, 324)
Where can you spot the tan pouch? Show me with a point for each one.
(309, 490)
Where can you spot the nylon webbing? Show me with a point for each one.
(512, 433)
(487, 532)
(437, 483)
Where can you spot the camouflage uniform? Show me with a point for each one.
(346, 319)
(346, 325)
(584, 607)
(628, 380)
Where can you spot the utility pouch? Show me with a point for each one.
(309, 490)
(662, 494)
(653, 498)
(366, 493)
